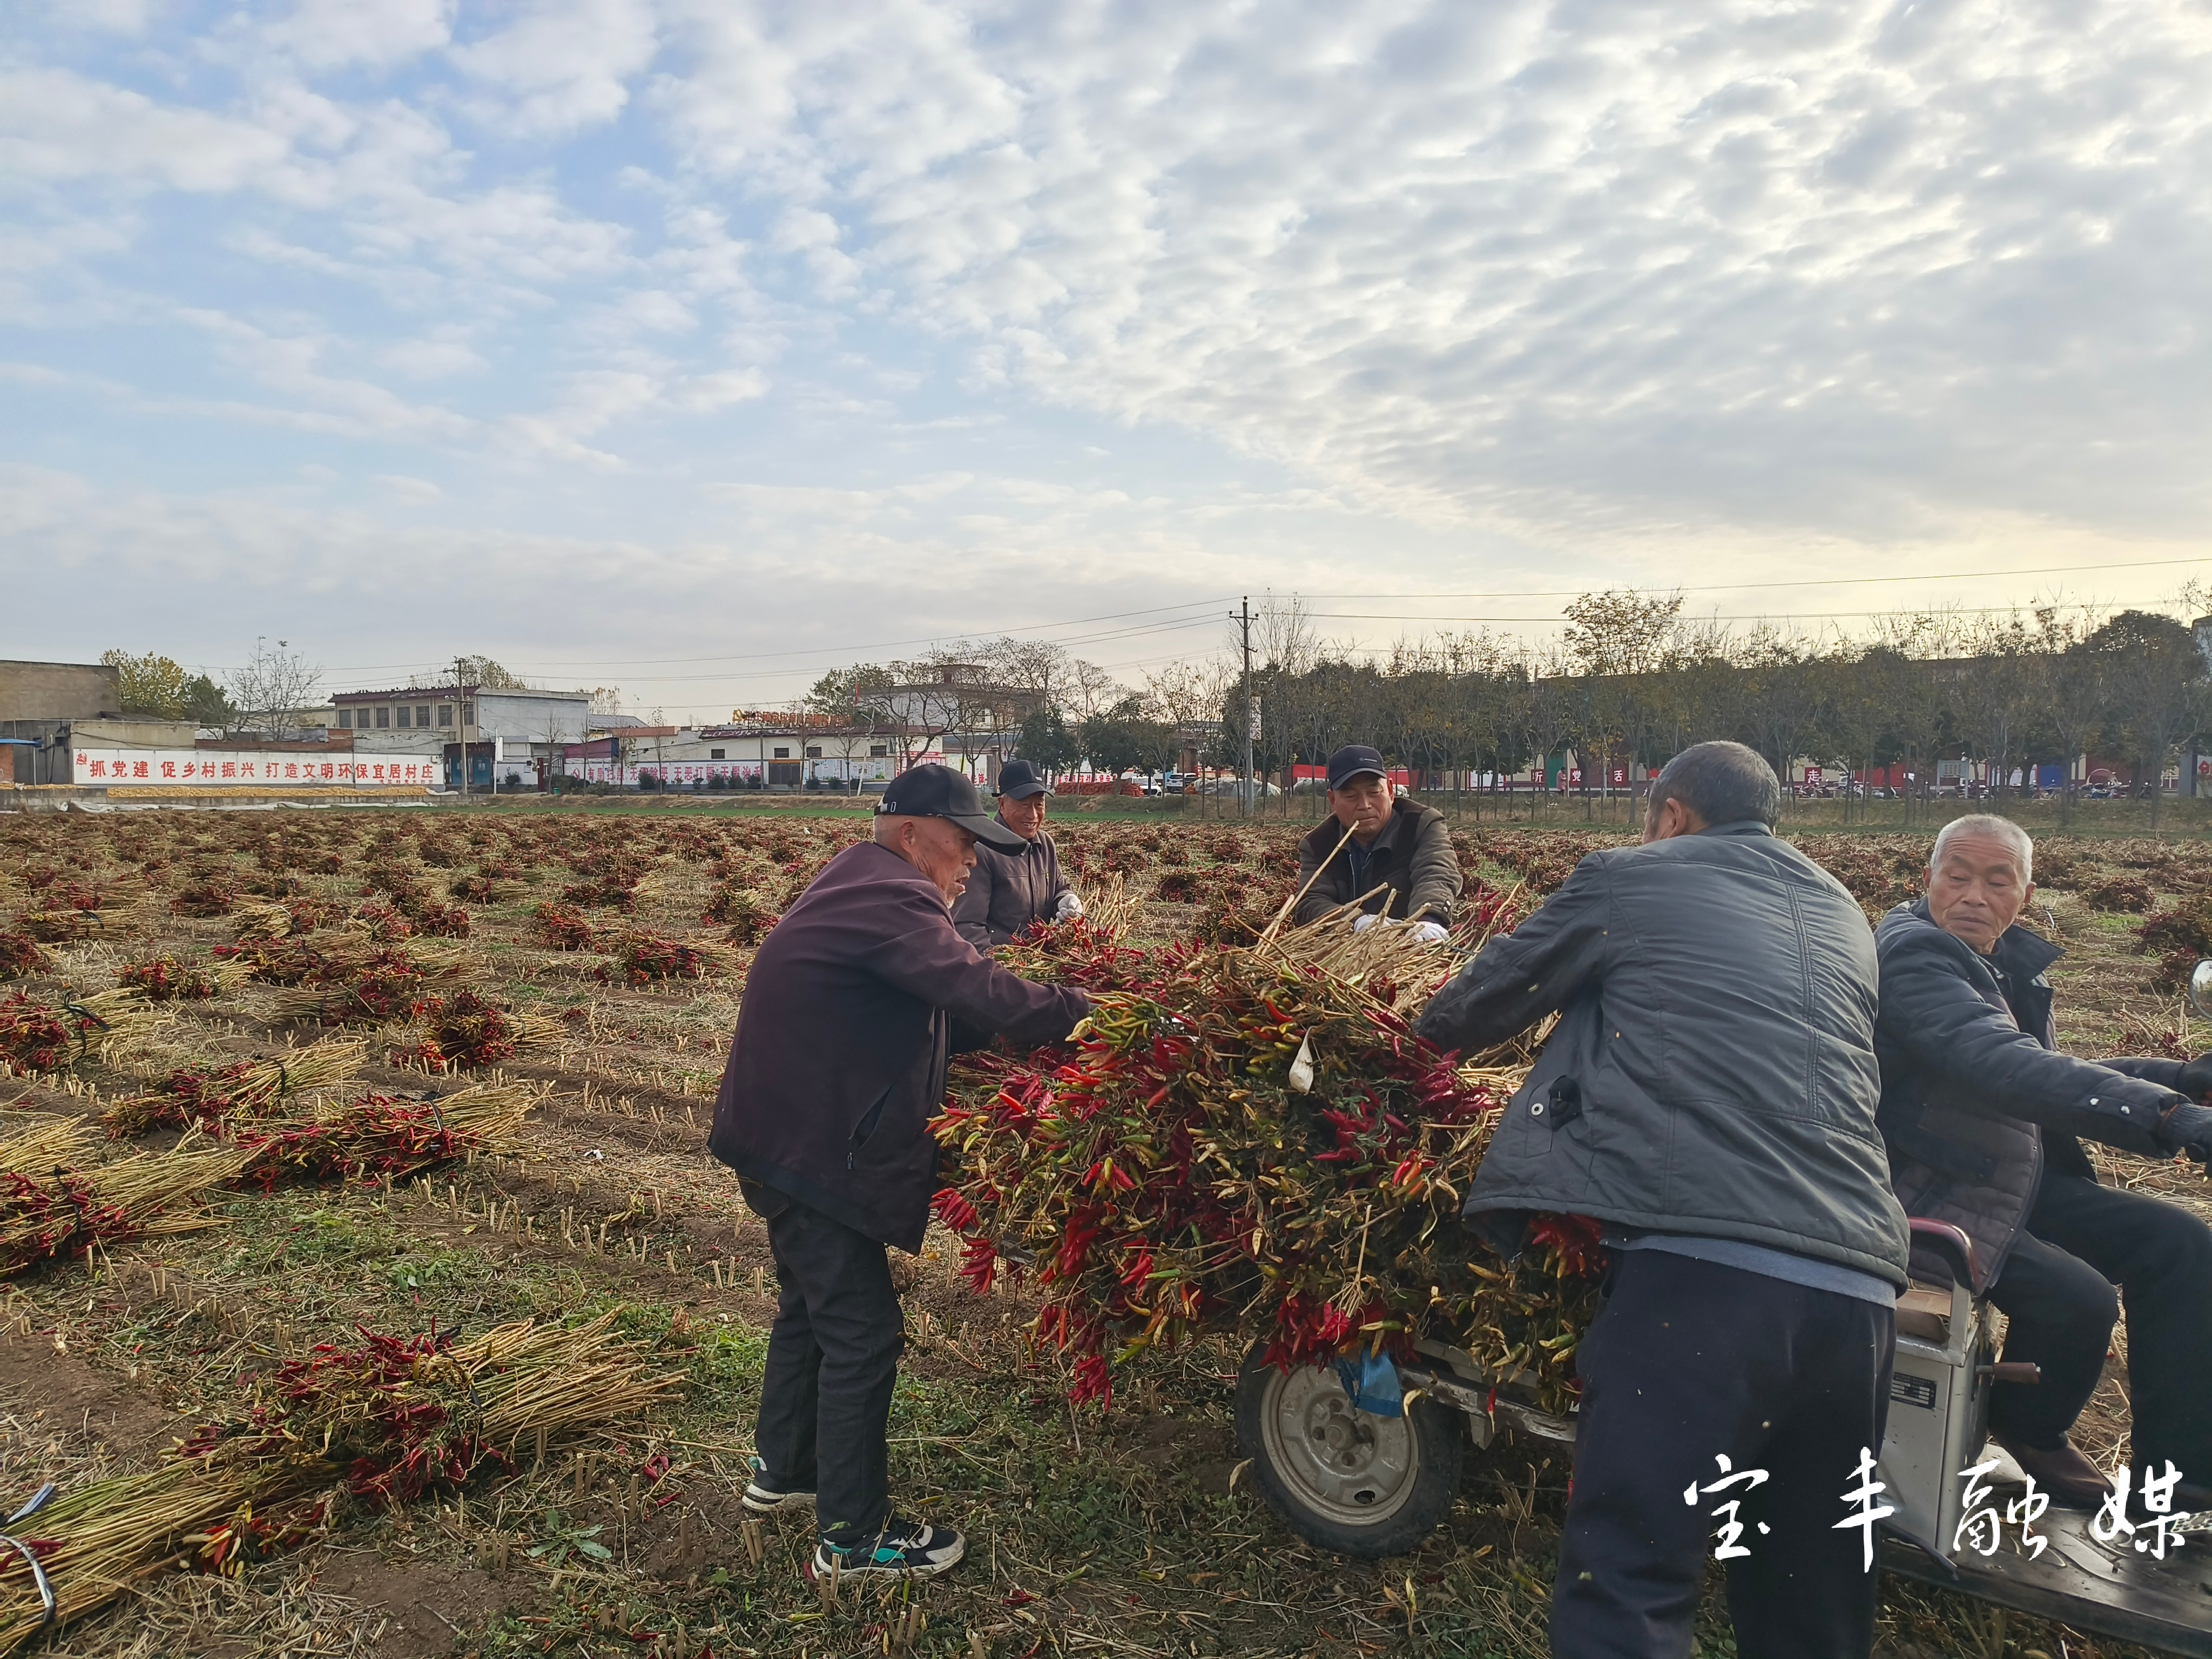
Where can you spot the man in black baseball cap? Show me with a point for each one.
(1009, 888)
(1387, 852)
(837, 1067)
(929, 791)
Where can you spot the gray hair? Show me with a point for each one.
(1722, 783)
(1995, 828)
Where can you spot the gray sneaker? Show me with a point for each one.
(763, 1496)
(903, 1549)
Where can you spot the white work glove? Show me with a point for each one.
(1070, 907)
(1364, 923)
(1431, 933)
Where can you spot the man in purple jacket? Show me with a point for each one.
(824, 1112)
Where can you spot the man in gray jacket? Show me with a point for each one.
(1982, 1112)
(1709, 1095)
(1009, 890)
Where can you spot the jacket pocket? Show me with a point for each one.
(864, 1131)
(1561, 1105)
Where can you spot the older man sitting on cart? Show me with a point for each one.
(1981, 1115)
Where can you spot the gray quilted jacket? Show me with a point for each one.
(1713, 1070)
(1974, 1094)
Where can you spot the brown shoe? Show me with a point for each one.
(2071, 1480)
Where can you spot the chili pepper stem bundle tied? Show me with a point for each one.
(56, 1200)
(386, 1420)
(1170, 1174)
(245, 1088)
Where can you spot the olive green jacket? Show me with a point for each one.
(1412, 856)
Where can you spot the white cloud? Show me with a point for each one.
(703, 393)
(1567, 268)
(59, 127)
(564, 64)
(430, 360)
(1610, 287)
(327, 33)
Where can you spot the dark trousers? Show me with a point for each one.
(2058, 1290)
(832, 1361)
(1688, 1359)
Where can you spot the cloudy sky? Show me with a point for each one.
(694, 345)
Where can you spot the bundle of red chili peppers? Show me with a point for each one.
(165, 979)
(34, 1037)
(641, 958)
(1169, 1174)
(378, 1135)
(464, 1030)
(20, 954)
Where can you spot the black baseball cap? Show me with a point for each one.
(1352, 761)
(931, 790)
(1018, 781)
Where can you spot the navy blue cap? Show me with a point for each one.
(1018, 781)
(930, 791)
(1354, 760)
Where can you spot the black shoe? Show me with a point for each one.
(903, 1549)
(763, 1496)
(2070, 1479)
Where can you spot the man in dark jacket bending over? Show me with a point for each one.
(1708, 1095)
(1981, 1111)
(837, 1067)
(1393, 855)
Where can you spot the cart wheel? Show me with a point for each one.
(1344, 1481)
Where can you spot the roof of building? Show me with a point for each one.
(765, 727)
(408, 693)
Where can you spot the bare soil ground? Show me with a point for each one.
(1122, 1533)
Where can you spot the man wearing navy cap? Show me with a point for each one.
(837, 1067)
(1011, 888)
(1397, 860)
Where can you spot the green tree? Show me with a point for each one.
(491, 676)
(2156, 681)
(153, 685)
(1120, 739)
(206, 703)
(1046, 741)
(854, 695)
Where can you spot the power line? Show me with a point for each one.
(1815, 582)
(833, 651)
(1761, 616)
(809, 651)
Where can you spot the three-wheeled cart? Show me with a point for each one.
(1359, 1484)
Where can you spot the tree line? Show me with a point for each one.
(1633, 681)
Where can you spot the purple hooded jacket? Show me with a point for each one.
(839, 1060)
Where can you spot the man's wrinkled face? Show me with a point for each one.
(1362, 805)
(940, 849)
(1024, 817)
(1978, 890)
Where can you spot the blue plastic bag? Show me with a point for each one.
(1371, 1380)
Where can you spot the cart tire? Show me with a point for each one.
(1346, 1482)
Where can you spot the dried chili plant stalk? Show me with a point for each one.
(1252, 1139)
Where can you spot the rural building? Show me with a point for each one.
(786, 752)
(514, 739)
(40, 703)
(979, 719)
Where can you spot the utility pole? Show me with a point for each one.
(461, 727)
(1251, 708)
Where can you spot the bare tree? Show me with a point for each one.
(273, 689)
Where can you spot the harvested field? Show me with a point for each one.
(588, 965)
